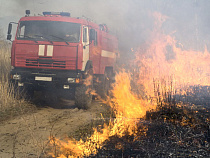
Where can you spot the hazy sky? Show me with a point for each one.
(101, 11)
(129, 19)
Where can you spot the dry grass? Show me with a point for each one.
(4, 59)
(10, 106)
(174, 129)
(171, 131)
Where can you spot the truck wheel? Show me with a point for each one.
(83, 96)
(104, 85)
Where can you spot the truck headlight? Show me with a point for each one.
(16, 77)
(71, 80)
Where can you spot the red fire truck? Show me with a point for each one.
(54, 52)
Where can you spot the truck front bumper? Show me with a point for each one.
(42, 78)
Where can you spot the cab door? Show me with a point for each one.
(86, 50)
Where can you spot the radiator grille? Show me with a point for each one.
(45, 63)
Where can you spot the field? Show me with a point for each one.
(128, 124)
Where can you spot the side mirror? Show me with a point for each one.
(9, 28)
(9, 37)
(92, 34)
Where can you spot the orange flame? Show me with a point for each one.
(128, 110)
(164, 64)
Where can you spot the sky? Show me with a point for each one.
(130, 20)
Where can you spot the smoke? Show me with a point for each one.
(131, 20)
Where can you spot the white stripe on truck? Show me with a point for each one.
(50, 50)
(41, 50)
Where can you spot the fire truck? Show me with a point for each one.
(57, 53)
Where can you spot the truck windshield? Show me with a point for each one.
(49, 30)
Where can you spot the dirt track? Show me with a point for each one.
(28, 135)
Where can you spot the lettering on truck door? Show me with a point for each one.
(85, 42)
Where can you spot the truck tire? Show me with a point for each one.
(83, 96)
(104, 86)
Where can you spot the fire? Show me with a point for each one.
(166, 67)
(128, 109)
(126, 103)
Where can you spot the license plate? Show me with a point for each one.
(38, 78)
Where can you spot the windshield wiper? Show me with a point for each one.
(44, 38)
(32, 38)
(63, 40)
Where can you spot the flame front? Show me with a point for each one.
(166, 67)
(128, 110)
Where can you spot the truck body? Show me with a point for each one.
(56, 51)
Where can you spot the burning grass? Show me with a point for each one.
(143, 128)
(149, 119)
(164, 64)
(128, 110)
(9, 104)
(171, 131)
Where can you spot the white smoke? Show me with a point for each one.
(129, 19)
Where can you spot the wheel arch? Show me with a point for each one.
(88, 65)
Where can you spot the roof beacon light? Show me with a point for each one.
(57, 13)
(27, 12)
